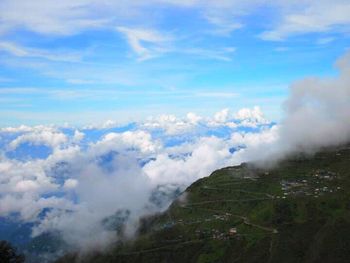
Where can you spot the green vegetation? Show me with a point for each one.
(298, 211)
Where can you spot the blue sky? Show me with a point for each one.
(90, 61)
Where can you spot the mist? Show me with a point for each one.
(316, 115)
(318, 111)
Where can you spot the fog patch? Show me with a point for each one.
(317, 115)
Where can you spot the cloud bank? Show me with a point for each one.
(317, 114)
(318, 110)
(103, 172)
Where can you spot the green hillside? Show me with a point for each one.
(298, 211)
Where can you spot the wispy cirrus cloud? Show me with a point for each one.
(146, 43)
(19, 90)
(223, 26)
(50, 17)
(149, 43)
(68, 18)
(325, 40)
(21, 51)
(309, 17)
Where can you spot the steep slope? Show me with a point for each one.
(298, 211)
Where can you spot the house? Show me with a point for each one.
(232, 231)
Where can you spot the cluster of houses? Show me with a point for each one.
(302, 187)
(293, 188)
(170, 224)
(314, 185)
(327, 175)
(223, 217)
(213, 233)
(216, 234)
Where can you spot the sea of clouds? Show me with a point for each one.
(69, 180)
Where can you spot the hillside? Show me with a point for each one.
(298, 211)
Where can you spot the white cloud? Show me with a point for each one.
(211, 153)
(193, 118)
(101, 194)
(250, 139)
(26, 186)
(316, 116)
(20, 51)
(78, 136)
(105, 125)
(23, 182)
(67, 17)
(308, 17)
(170, 124)
(222, 116)
(317, 110)
(139, 37)
(48, 137)
(50, 17)
(224, 26)
(251, 117)
(138, 140)
(21, 128)
(70, 183)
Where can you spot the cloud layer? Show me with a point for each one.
(90, 174)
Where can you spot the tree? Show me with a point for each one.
(8, 254)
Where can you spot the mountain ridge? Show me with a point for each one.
(298, 211)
